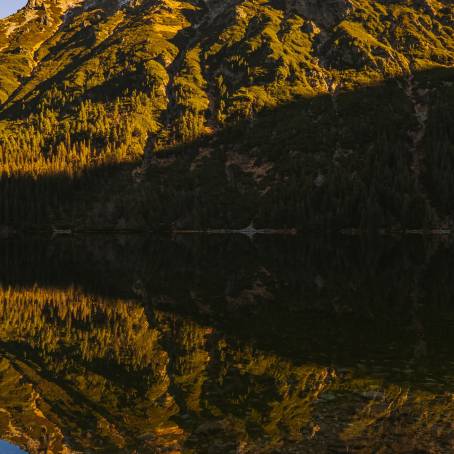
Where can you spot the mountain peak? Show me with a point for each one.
(62, 4)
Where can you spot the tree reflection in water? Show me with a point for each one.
(226, 345)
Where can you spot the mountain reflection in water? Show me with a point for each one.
(226, 345)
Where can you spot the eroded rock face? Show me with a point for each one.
(63, 4)
(324, 13)
(35, 4)
(216, 7)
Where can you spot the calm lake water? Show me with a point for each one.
(216, 344)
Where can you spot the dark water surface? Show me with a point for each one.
(217, 344)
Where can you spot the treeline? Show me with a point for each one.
(91, 135)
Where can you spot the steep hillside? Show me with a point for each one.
(92, 83)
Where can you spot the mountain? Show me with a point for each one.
(302, 113)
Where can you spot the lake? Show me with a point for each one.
(223, 344)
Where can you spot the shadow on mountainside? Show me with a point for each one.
(378, 157)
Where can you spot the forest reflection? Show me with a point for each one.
(207, 344)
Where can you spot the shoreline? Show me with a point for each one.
(7, 232)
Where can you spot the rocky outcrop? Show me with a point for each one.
(326, 13)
